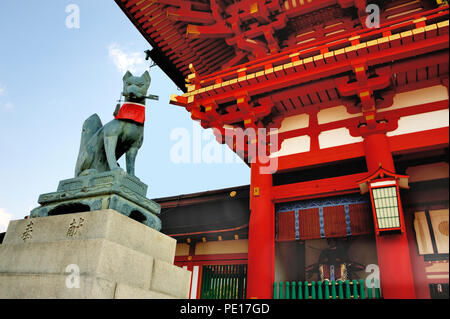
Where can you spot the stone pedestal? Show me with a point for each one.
(109, 190)
(98, 254)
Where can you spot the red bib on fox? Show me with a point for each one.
(131, 111)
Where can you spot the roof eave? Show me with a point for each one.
(157, 55)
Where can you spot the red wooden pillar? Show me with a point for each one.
(394, 260)
(261, 237)
(417, 262)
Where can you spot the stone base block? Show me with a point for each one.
(110, 255)
(107, 224)
(93, 257)
(170, 279)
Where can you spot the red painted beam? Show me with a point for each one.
(190, 16)
(142, 15)
(419, 141)
(198, 259)
(218, 30)
(324, 187)
(327, 155)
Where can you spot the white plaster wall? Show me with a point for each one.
(294, 145)
(194, 281)
(418, 97)
(294, 122)
(421, 122)
(337, 137)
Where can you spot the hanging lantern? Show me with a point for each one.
(385, 197)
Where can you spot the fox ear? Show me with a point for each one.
(146, 77)
(127, 75)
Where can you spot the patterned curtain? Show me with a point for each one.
(324, 218)
(334, 221)
(361, 219)
(286, 226)
(309, 223)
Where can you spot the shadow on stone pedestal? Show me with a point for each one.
(99, 254)
(109, 190)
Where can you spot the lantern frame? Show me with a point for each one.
(384, 184)
(385, 179)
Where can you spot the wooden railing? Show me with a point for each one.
(325, 290)
(224, 282)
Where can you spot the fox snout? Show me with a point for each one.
(133, 91)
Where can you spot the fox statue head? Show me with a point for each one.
(135, 87)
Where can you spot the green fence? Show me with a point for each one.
(324, 290)
(224, 282)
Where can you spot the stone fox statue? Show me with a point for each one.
(101, 146)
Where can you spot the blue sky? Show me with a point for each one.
(52, 78)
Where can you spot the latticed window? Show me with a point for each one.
(224, 282)
(386, 207)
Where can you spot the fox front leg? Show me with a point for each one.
(131, 155)
(131, 160)
(110, 150)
